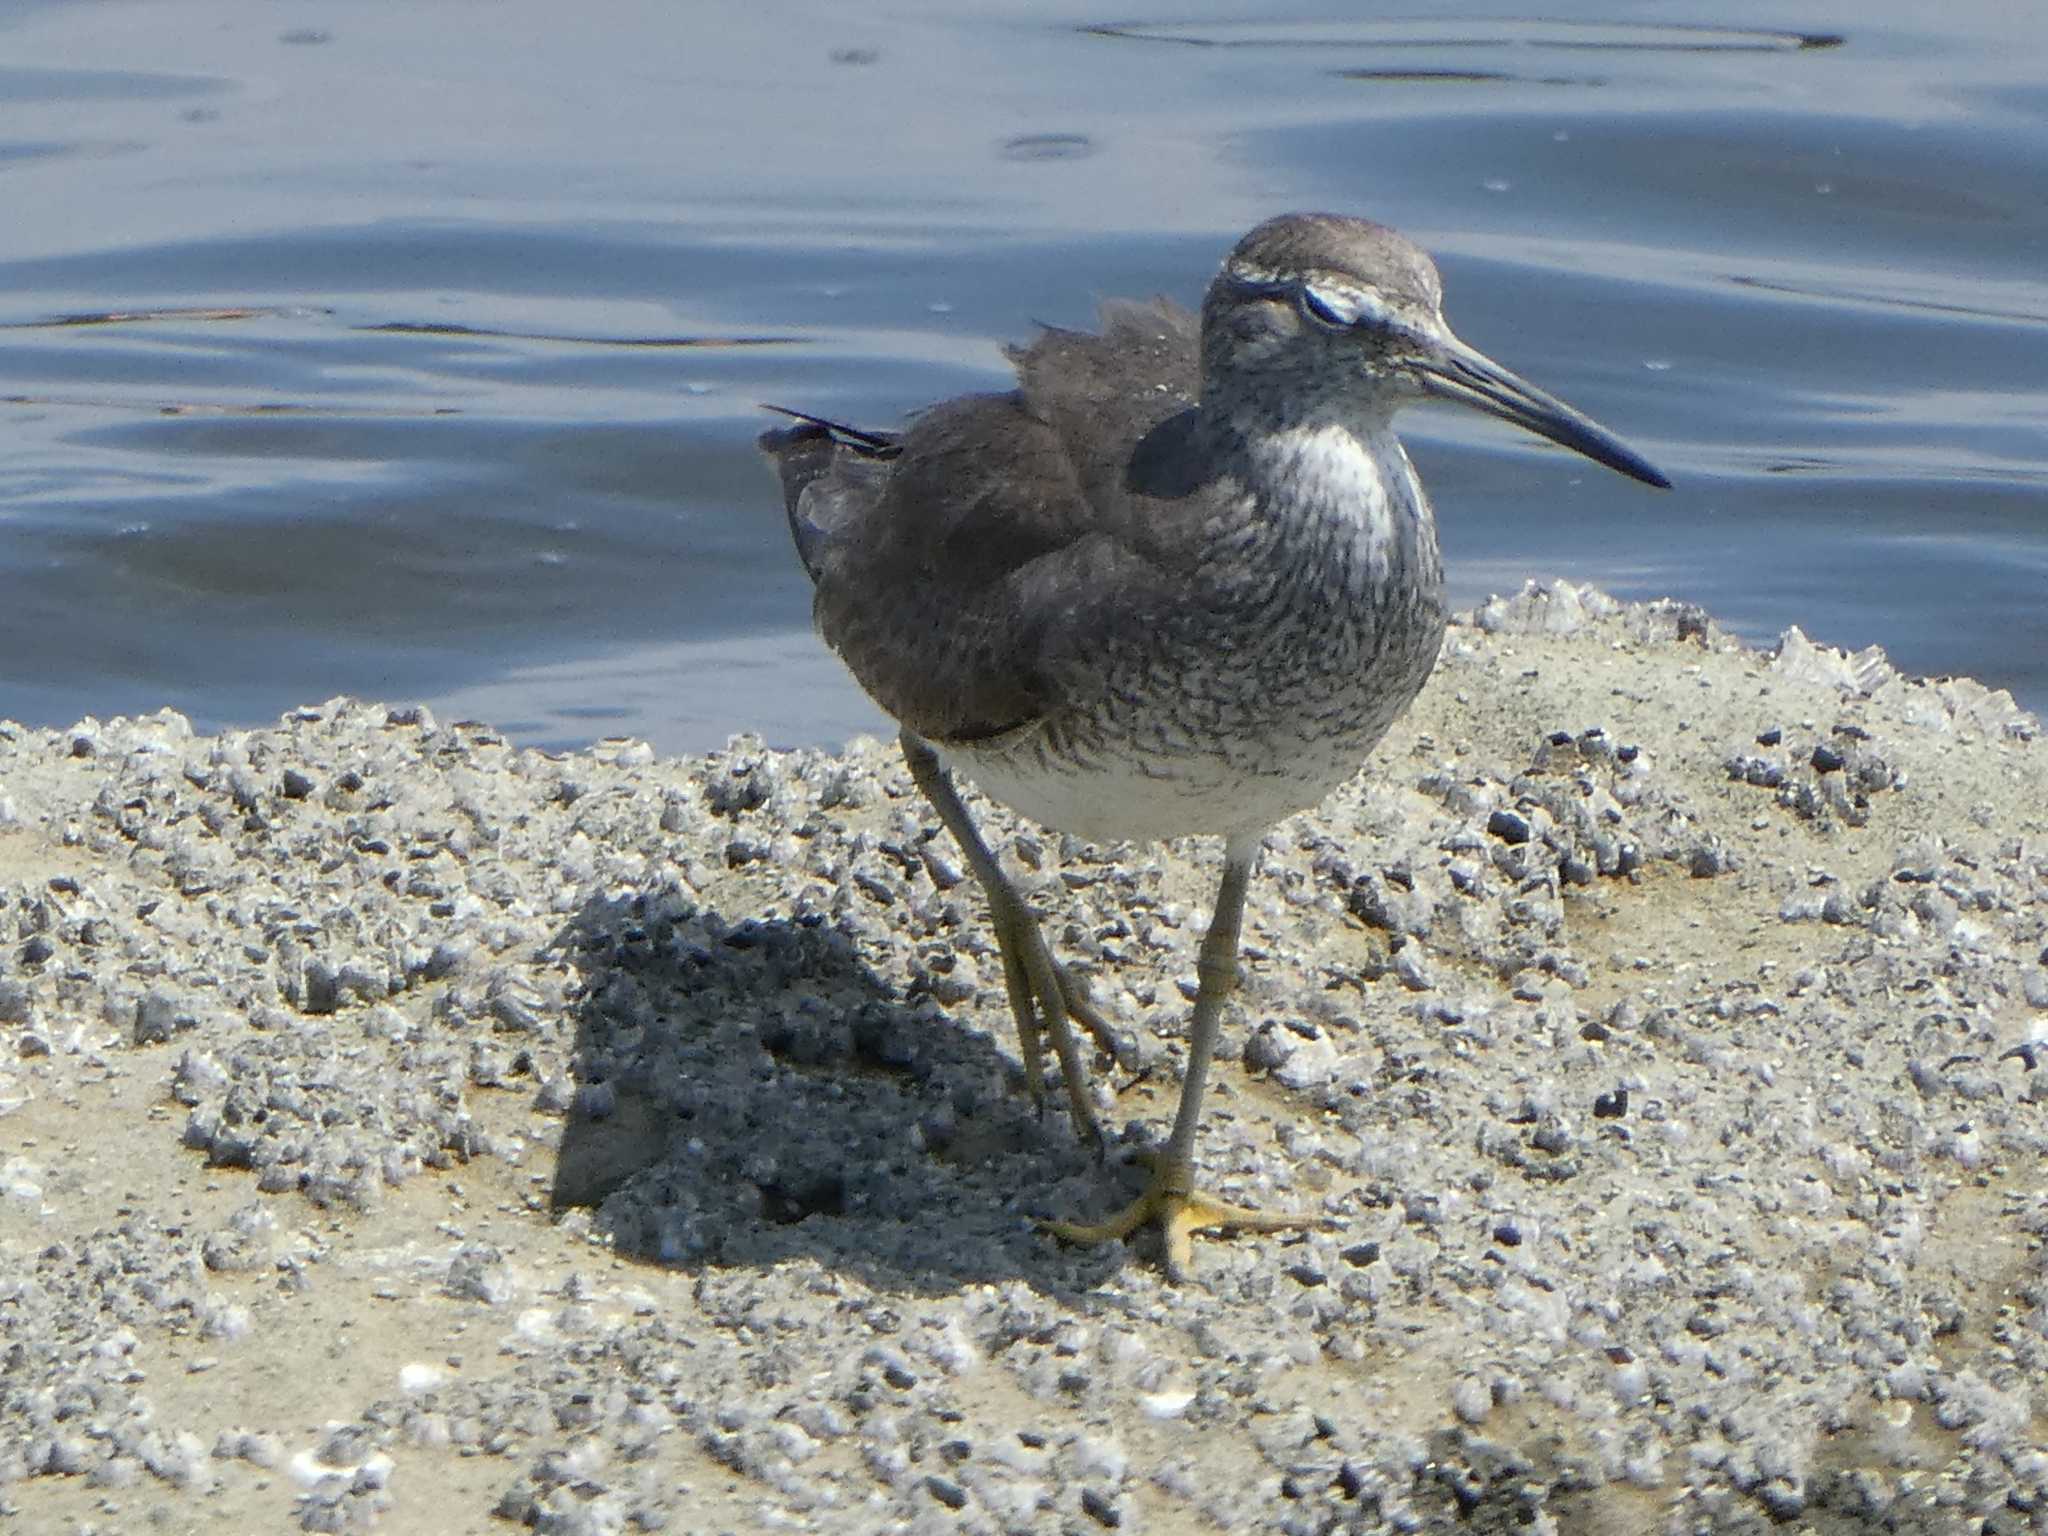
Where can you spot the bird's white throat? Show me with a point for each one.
(1345, 492)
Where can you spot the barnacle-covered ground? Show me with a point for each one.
(400, 1131)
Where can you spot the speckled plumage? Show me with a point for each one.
(1179, 580)
(1126, 606)
(1262, 677)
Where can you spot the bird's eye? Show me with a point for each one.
(1331, 308)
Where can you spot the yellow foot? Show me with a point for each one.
(1180, 1210)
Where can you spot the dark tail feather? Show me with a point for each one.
(820, 463)
(839, 431)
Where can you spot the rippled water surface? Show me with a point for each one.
(414, 351)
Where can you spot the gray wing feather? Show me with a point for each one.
(952, 564)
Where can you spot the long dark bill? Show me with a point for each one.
(1472, 378)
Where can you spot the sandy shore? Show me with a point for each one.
(401, 1131)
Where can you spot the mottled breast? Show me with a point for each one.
(1311, 624)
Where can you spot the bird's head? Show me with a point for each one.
(1318, 315)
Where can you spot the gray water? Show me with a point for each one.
(413, 351)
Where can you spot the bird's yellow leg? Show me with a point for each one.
(1024, 1011)
(1045, 998)
(1042, 1004)
(1171, 1200)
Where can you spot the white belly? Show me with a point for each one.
(1121, 798)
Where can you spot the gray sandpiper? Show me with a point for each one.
(1178, 582)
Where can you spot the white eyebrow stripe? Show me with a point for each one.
(1351, 305)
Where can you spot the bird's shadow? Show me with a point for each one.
(748, 1091)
